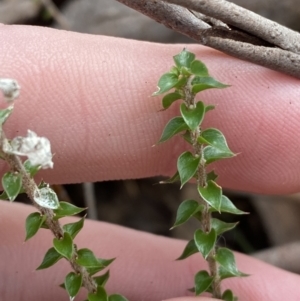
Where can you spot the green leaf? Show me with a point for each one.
(33, 223)
(102, 279)
(94, 270)
(116, 297)
(212, 154)
(193, 117)
(209, 108)
(87, 259)
(169, 99)
(100, 295)
(226, 260)
(74, 228)
(106, 262)
(228, 296)
(189, 250)
(228, 207)
(220, 226)
(185, 211)
(4, 114)
(73, 284)
(166, 82)
(31, 169)
(212, 194)
(205, 241)
(51, 257)
(184, 59)
(216, 139)
(67, 209)
(46, 198)
(199, 68)
(211, 176)
(187, 137)
(187, 166)
(202, 282)
(173, 127)
(12, 184)
(173, 179)
(64, 246)
(4, 196)
(203, 83)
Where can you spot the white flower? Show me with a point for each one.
(46, 198)
(37, 149)
(10, 89)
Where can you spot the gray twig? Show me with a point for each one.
(229, 28)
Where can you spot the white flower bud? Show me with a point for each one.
(10, 89)
(37, 149)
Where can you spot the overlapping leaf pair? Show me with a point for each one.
(187, 78)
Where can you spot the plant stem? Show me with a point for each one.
(30, 188)
(189, 100)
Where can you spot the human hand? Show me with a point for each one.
(90, 96)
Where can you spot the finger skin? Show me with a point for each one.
(145, 268)
(91, 96)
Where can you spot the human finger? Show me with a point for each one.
(145, 268)
(90, 95)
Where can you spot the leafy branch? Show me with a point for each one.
(20, 179)
(186, 79)
(227, 27)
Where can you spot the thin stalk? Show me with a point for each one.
(205, 223)
(55, 227)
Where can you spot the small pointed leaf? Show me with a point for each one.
(166, 82)
(173, 179)
(4, 196)
(199, 68)
(73, 284)
(102, 279)
(100, 295)
(209, 108)
(87, 259)
(189, 250)
(116, 297)
(226, 260)
(46, 198)
(169, 99)
(67, 209)
(216, 139)
(212, 154)
(228, 296)
(184, 59)
(187, 137)
(220, 226)
(228, 207)
(212, 194)
(173, 127)
(187, 166)
(211, 176)
(74, 228)
(205, 241)
(202, 282)
(203, 83)
(106, 262)
(4, 114)
(12, 184)
(193, 117)
(31, 169)
(94, 270)
(51, 257)
(64, 246)
(185, 211)
(33, 223)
